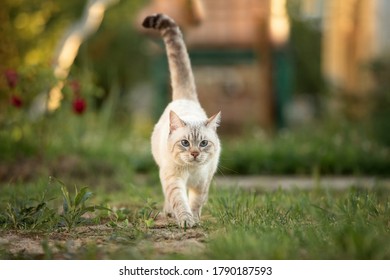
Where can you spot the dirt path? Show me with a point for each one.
(291, 182)
(164, 238)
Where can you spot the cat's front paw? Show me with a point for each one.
(196, 219)
(168, 211)
(186, 221)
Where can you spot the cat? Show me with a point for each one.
(184, 142)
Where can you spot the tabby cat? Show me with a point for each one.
(185, 144)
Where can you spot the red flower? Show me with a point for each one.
(12, 77)
(79, 105)
(16, 101)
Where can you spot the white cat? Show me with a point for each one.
(185, 144)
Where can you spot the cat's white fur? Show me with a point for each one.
(185, 144)
(189, 178)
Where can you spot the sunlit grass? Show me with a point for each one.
(294, 224)
(101, 154)
(317, 224)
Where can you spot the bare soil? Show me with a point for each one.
(163, 239)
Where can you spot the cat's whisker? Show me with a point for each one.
(221, 168)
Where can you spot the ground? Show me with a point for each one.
(164, 238)
(296, 217)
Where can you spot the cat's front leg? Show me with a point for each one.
(197, 198)
(168, 212)
(175, 196)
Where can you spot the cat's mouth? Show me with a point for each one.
(195, 161)
(192, 161)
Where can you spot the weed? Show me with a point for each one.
(24, 213)
(74, 208)
(29, 214)
(148, 213)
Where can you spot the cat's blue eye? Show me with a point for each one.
(204, 143)
(185, 143)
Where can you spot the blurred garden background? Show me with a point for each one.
(303, 86)
(317, 98)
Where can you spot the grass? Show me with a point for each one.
(317, 224)
(295, 224)
(108, 206)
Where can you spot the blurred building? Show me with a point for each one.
(355, 33)
(231, 45)
(241, 65)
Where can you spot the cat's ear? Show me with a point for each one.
(214, 121)
(175, 122)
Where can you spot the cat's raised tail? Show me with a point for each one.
(182, 79)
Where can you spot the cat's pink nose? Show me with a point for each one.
(195, 154)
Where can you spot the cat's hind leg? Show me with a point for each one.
(197, 198)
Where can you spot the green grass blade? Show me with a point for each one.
(82, 196)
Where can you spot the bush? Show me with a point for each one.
(325, 149)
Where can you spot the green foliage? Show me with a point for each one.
(317, 224)
(25, 213)
(324, 149)
(29, 214)
(74, 207)
(114, 57)
(305, 44)
(33, 28)
(142, 218)
(116, 53)
(381, 112)
(148, 213)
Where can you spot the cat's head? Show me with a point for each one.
(194, 143)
